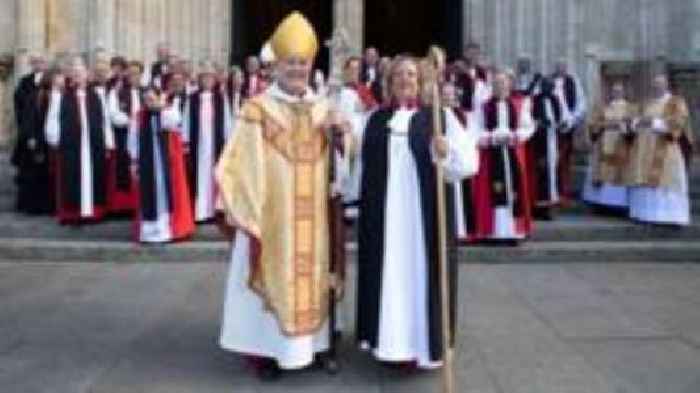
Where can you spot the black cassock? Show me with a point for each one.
(69, 158)
(31, 153)
(371, 226)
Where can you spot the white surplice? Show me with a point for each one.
(350, 104)
(606, 194)
(403, 316)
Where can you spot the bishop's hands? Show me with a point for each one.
(339, 129)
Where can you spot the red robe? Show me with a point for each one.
(483, 184)
(121, 198)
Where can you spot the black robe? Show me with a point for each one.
(538, 143)
(371, 227)
(70, 161)
(121, 139)
(151, 125)
(34, 184)
(468, 86)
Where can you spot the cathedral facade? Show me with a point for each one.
(588, 33)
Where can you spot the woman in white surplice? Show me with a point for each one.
(398, 292)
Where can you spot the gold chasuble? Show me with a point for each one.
(610, 153)
(273, 178)
(656, 159)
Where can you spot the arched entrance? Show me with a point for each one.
(398, 26)
(254, 22)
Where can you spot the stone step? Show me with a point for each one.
(569, 227)
(30, 250)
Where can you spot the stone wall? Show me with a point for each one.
(586, 32)
(195, 29)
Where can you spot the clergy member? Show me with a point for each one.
(502, 200)
(567, 87)
(610, 132)
(75, 128)
(543, 151)
(463, 190)
(161, 67)
(398, 305)
(357, 103)
(125, 104)
(254, 83)
(164, 212)
(205, 133)
(30, 155)
(273, 177)
(527, 82)
(472, 81)
(659, 179)
(369, 72)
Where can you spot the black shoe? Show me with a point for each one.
(269, 371)
(326, 362)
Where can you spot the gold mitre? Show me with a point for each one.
(295, 36)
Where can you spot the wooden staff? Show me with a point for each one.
(336, 225)
(448, 384)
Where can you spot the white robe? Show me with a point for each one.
(608, 195)
(504, 219)
(403, 317)
(247, 327)
(107, 126)
(350, 104)
(660, 205)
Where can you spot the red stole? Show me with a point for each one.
(483, 195)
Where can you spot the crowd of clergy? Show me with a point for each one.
(254, 150)
(122, 138)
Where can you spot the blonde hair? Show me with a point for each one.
(393, 68)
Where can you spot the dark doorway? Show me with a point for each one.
(255, 21)
(398, 26)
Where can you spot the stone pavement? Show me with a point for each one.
(538, 328)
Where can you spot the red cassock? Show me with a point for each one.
(181, 220)
(486, 184)
(120, 199)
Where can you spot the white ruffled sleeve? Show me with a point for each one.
(462, 160)
(52, 127)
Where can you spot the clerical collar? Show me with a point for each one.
(276, 92)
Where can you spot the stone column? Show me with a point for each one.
(474, 21)
(31, 32)
(154, 28)
(64, 26)
(102, 26)
(592, 79)
(544, 38)
(349, 14)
